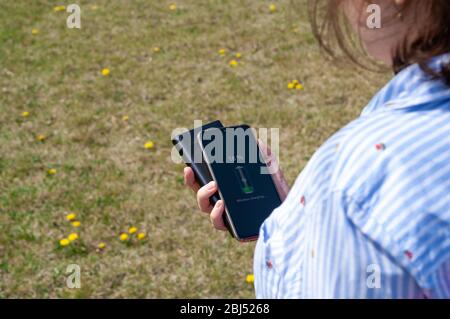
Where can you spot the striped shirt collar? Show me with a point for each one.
(412, 87)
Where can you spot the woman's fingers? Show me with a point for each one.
(203, 195)
(267, 152)
(271, 161)
(281, 185)
(216, 216)
(277, 175)
(189, 179)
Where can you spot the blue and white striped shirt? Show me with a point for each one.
(369, 216)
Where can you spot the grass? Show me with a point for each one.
(105, 174)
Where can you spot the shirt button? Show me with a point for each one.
(269, 264)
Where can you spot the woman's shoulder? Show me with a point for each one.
(392, 179)
(390, 147)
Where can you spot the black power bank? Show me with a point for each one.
(189, 149)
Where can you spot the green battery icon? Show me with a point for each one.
(243, 179)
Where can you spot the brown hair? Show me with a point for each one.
(433, 38)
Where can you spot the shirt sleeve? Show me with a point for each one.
(416, 237)
(441, 283)
(418, 240)
(396, 191)
(265, 267)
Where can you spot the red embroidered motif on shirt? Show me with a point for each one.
(303, 200)
(408, 254)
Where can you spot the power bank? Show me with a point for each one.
(189, 149)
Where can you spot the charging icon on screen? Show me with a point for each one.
(243, 179)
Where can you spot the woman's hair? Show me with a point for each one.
(432, 37)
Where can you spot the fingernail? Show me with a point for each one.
(211, 185)
(219, 204)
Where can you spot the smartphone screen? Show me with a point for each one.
(243, 179)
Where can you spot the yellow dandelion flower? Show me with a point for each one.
(64, 242)
(140, 236)
(101, 246)
(52, 171)
(105, 72)
(149, 145)
(250, 278)
(72, 237)
(156, 49)
(173, 6)
(123, 237)
(291, 85)
(25, 114)
(59, 8)
(299, 86)
(70, 217)
(233, 63)
(295, 82)
(132, 230)
(125, 118)
(41, 137)
(222, 51)
(238, 55)
(272, 8)
(34, 31)
(76, 223)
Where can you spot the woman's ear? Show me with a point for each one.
(400, 3)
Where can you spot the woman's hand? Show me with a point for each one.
(204, 193)
(277, 174)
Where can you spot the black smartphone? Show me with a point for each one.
(189, 149)
(243, 178)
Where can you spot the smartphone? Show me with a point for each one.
(242, 176)
(189, 149)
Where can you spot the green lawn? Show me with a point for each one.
(104, 173)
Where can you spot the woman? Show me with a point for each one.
(369, 217)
